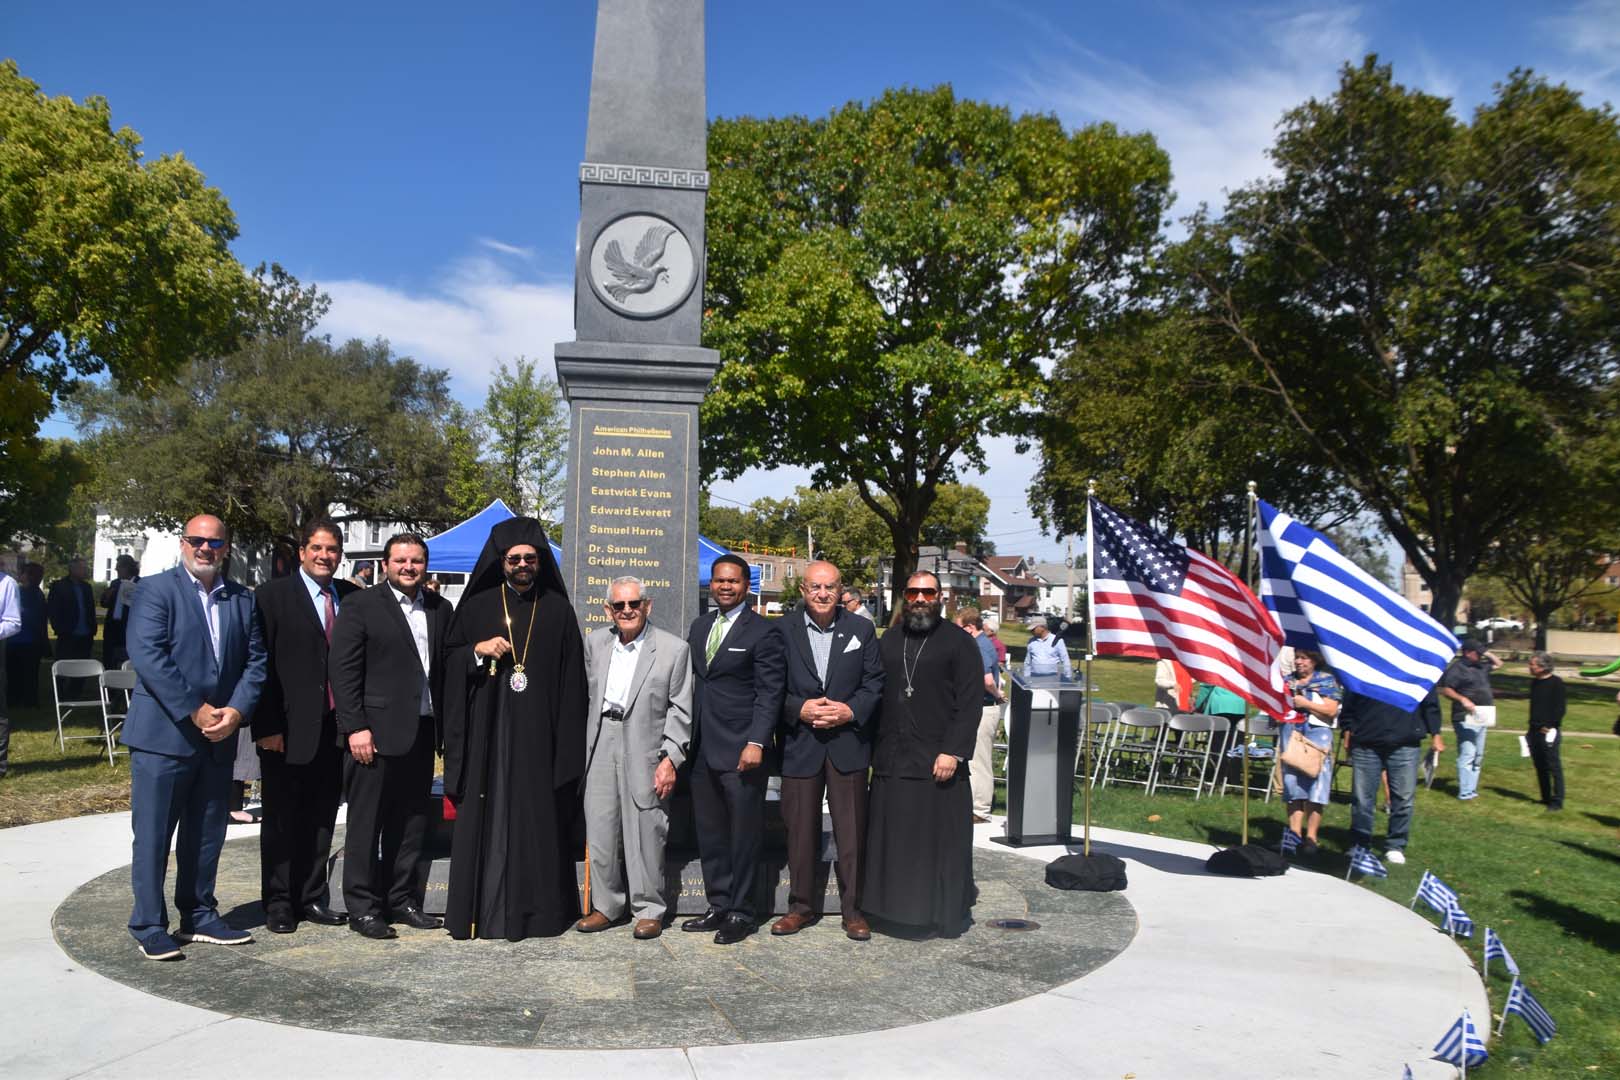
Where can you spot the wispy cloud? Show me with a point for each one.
(1217, 121)
(477, 314)
(506, 249)
(1589, 35)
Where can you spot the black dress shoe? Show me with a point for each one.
(372, 926)
(280, 921)
(322, 915)
(417, 919)
(709, 920)
(733, 930)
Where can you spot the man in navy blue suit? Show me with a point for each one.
(196, 647)
(738, 658)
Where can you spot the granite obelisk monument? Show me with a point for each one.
(635, 374)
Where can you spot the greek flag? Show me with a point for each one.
(1495, 950)
(1461, 1046)
(1437, 894)
(1521, 1001)
(1406, 1073)
(1363, 861)
(1290, 841)
(1377, 643)
(1458, 922)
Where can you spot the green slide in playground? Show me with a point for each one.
(1607, 669)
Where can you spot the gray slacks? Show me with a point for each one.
(625, 840)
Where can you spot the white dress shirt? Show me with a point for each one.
(10, 609)
(416, 615)
(208, 597)
(622, 670)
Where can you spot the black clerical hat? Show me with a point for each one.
(489, 574)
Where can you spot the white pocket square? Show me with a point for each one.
(736, 648)
(854, 645)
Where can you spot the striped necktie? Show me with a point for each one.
(716, 632)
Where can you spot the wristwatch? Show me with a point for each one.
(663, 754)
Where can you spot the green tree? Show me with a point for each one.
(285, 429)
(882, 283)
(527, 422)
(51, 472)
(1433, 304)
(472, 483)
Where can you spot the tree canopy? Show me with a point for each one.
(526, 422)
(1433, 305)
(882, 282)
(285, 429)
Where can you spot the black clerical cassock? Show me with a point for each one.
(919, 838)
(514, 749)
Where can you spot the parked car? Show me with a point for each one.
(1499, 624)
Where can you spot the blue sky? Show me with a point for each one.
(419, 161)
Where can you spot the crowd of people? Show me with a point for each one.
(549, 738)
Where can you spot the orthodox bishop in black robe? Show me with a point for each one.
(514, 739)
(919, 845)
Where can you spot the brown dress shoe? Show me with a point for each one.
(646, 929)
(791, 923)
(856, 929)
(594, 923)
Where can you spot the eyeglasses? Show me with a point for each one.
(811, 588)
(213, 543)
(921, 594)
(522, 560)
(623, 606)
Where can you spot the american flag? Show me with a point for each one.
(1152, 597)
(1521, 1001)
(1495, 950)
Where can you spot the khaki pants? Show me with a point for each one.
(981, 774)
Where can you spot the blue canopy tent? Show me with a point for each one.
(455, 551)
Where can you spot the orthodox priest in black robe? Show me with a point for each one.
(919, 845)
(514, 742)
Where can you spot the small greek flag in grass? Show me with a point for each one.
(1521, 1001)
(1406, 1073)
(1436, 893)
(1457, 922)
(1363, 861)
(1461, 1046)
(1495, 950)
(1290, 841)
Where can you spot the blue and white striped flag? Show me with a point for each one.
(1462, 1045)
(1406, 1073)
(1495, 950)
(1458, 922)
(1376, 642)
(1290, 841)
(1521, 1001)
(1363, 861)
(1437, 894)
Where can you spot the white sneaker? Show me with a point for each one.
(1396, 856)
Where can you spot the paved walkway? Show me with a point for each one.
(1215, 985)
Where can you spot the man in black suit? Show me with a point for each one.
(738, 659)
(117, 598)
(387, 671)
(296, 731)
(71, 608)
(834, 684)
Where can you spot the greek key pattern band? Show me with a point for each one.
(595, 172)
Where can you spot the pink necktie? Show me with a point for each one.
(330, 614)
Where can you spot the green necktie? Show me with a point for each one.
(716, 632)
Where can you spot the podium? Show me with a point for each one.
(1043, 733)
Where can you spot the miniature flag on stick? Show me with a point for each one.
(1495, 950)
(1436, 893)
(1458, 922)
(1290, 841)
(1461, 1046)
(1521, 1001)
(1363, 861)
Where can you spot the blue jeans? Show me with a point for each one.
(1367, 763)
(1470, 753)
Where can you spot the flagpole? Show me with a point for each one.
(1085, 690)
(1248, 534)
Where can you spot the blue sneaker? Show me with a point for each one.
(160, 946)
(215, 931)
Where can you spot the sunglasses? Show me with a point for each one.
(213, 543)
(623, 606)
(522, 560)
(921, 594)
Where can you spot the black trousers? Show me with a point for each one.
(22, 673)
(295, 837)
(1549, 763)
(387, 824)
(728, 808)
(801, 814)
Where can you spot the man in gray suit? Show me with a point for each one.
(637, 734)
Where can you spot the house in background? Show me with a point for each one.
(1008, 587)
(958, 574)
(1054, 597)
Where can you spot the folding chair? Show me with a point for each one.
(116, 686)
(1138, 740)
(1259, 727)
(1194, 743)
(73, 669)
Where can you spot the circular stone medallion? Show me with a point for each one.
(642, 266)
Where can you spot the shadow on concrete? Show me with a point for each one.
(1167, 861)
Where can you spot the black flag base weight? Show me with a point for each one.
(1247, 860)
(1087, 873)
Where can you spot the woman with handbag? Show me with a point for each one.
(1304, 751)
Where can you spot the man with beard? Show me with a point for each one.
(514, 742)
(387, 668)
(919, 846)
(296, 731)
